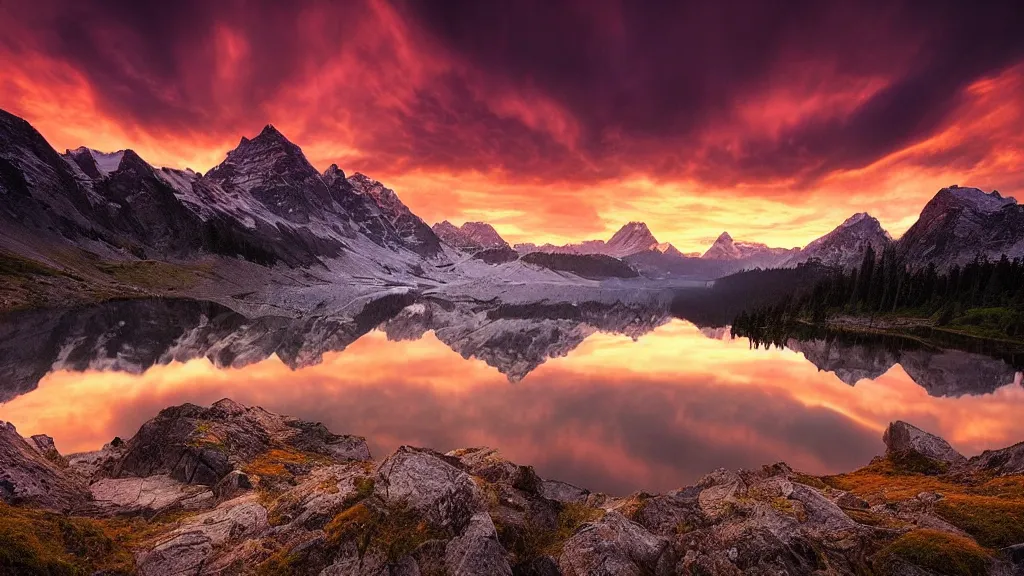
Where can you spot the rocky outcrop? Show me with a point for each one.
(207, 543)
(1003, 462)
(615, 546)
(197, 445)
(302, 500)
(429, 483)
(28, 477)
(902, 438)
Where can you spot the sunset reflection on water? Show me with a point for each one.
(614, 415)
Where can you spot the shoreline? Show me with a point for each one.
(231, 489)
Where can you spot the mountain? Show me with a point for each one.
(471, 236)
(844, 247)
(959, 223)
(264, 203)
(725, 248)
(632, 238)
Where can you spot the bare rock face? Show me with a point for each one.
(901, 437)
(563, 491)
(206, 542)
(1003, 462)
(29, 477)
(429, 483)
(476, 552)
(615, 546)
(199, 445)
(146, 496)
(488, 464)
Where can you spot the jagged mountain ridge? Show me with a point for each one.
(632, 238)
(471, 236)
(844, 247)
(264, 202)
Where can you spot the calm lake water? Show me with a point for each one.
(648, 404)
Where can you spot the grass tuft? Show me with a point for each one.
(941, 552)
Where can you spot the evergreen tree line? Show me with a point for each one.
(985, 295)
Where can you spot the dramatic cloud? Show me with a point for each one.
(555, 121)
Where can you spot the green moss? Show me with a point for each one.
(153, 274)
(992, 521)
(941, 552)
(533, 540)
(36, 542)
(395, 530)
(16, 266)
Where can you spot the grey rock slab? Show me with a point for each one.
(903, 437)
(477, 552)
(149, 495)
(204, 537)
(614, 546)
(424, 480)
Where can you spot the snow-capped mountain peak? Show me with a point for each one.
(257, 161)
(93, 163)
(632, 238)
(977, 199)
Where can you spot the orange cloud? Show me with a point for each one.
(802, 118)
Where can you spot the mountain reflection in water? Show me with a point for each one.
(612, 396)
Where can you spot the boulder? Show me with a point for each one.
(199, 445)
(488, 464)
(28, 477)
(614, 546)
(903, 438)
(43, 444)
(233, 484)
(563, 492)
(426, 481)
(476, 552)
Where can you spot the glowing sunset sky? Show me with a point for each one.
(555, 121)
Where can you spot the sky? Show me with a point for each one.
(555, 121)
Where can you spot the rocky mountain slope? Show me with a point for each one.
(470, 236)
(261, 230)
(960, 223)
(231, 489)
(725, 248)
(844, 247)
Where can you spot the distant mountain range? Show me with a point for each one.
(266, 206)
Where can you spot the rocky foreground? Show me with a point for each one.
(231, 489)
